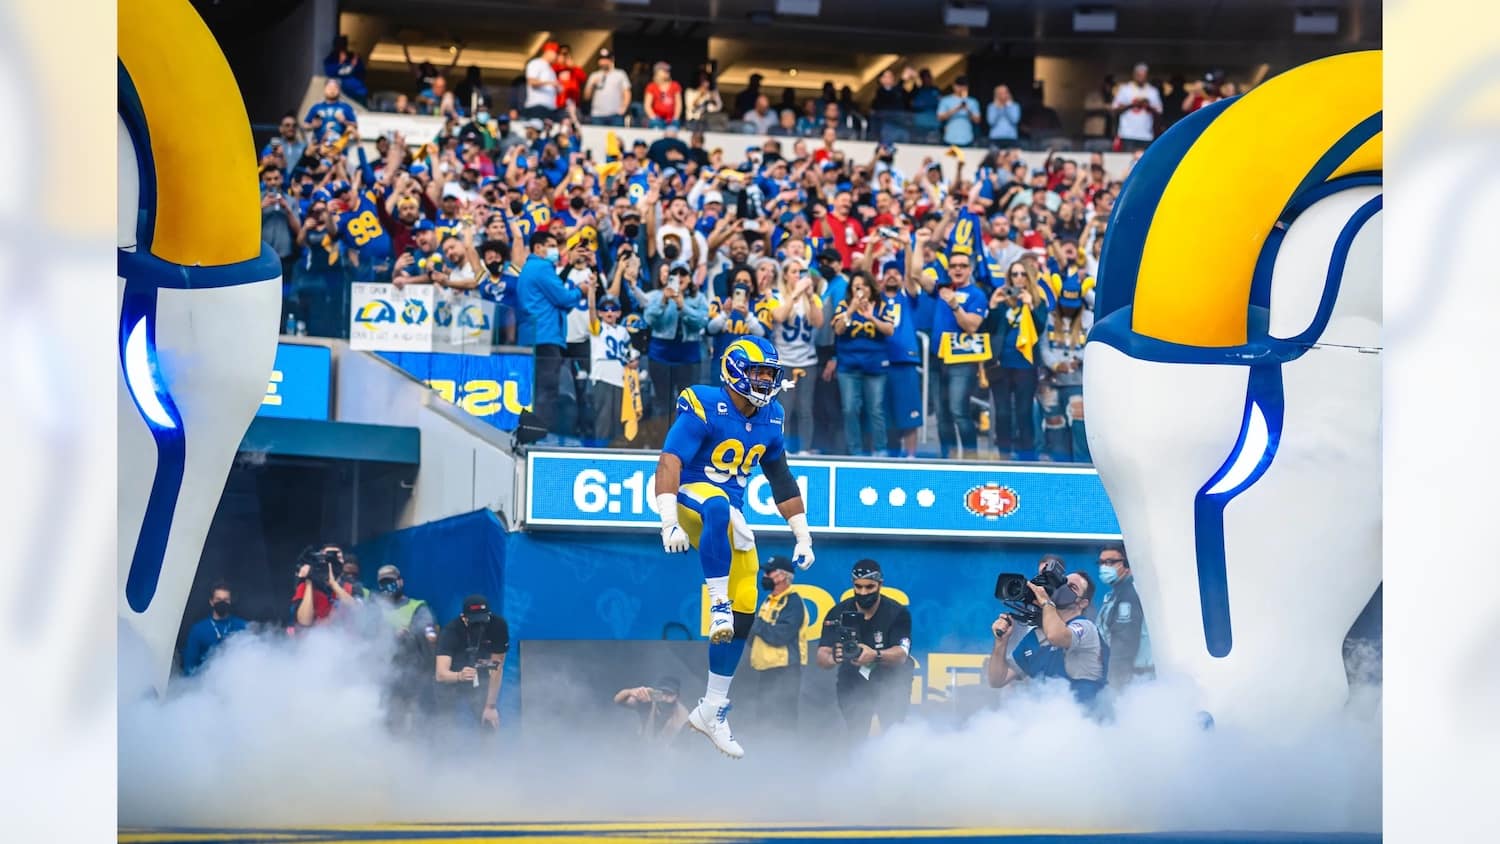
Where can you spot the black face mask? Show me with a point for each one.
(867, 600)
(576, 203)
(632, 231)
(671, 251)
(516, 205)
(220, 607)
(494, 267)
(767, 583)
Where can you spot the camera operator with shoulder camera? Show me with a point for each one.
(319, 585)
(470, 655)
(868, 639)
(1062, 642)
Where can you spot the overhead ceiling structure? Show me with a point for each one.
(904, 25)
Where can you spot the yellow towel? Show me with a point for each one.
(1026, 337)
(630, 403)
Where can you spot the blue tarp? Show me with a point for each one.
(442, 562)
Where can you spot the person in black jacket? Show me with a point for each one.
(1011, 373)
(873, 687)
(1121, 623)
(777, 649)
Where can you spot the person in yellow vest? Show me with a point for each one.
(777, 649)
(416, 635)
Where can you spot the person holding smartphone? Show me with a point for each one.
(733, 317)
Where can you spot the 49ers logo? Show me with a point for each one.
(992, 501)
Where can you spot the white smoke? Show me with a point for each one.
(280, 732)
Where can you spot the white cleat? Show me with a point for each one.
(713, 721)
(721, 623)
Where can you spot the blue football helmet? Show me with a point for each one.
(751, 369)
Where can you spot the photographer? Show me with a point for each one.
(1017, 314)
(319, 586)
(660, 707)
(1064, 643)
(868, 639)
(475, 642)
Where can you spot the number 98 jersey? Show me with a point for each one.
(719, 445)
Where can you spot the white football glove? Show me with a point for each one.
(673, 538)
(802, 555)
(802, 552)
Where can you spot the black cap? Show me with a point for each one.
(867, 570)
(962, 80)
(669, 684)
(830, 255)
(775, 563)
(606, 53)
(477, 608)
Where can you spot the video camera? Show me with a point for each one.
(1012, 591)
(848, 636)
(323, 562)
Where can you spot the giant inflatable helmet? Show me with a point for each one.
(1232, 385)
(199, 298)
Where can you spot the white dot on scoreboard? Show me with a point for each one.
(897, 497)
(926, 497)
(614, 506)
(868, 496)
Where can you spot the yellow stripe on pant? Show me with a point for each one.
(744, 566)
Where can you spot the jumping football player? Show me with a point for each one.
(719, 436)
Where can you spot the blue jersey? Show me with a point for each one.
(503, 289)
(902, 346)
(337, 117)
(637, 186)
(965, 239)
(534, 217)
(720, 446)
(360, 228)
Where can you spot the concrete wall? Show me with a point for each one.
(466, 464)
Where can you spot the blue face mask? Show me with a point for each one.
(1108, 574)
(551, 254)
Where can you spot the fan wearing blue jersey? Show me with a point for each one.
(719, 436)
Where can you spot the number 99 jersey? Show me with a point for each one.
(718, 445)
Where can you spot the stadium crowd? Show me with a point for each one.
(631, 271)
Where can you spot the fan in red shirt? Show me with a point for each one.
(569, 77)
(843, 229)
(664, 96)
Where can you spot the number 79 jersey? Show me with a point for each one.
(717, 444)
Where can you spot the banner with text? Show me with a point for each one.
(613, 489)
(495, 388)
(419, 318)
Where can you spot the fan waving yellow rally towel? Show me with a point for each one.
(1026, 338)
(630, 402)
